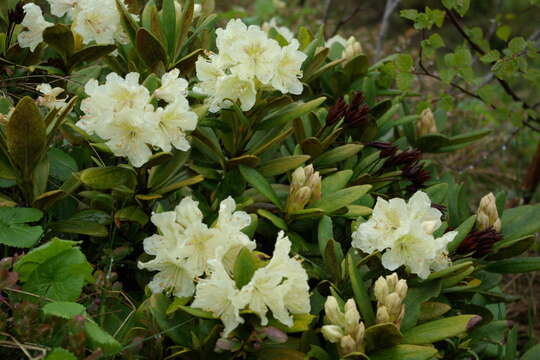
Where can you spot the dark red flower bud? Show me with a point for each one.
(16, 15)
(479, 243)
(387, 149)
(336, 112)
(407, 157)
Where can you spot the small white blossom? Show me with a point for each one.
(288, 70)
(404, 232)
(61, 7)
(35, 24)
(285, 32)
(49, 96)
(219, 295)
(172, 87)
(280, 286)
(173, 122)
(98, 21)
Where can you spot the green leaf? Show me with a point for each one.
(128, 23)
(60, 354)
(63, 309)
(70, 226)
(280, 354)
(150, 48)
(274, 219)
(330, 158)
(168, 21)
(381, 336)
(301, 323)
(515, 265)
(99, 338)
(90, 53)
(62, 165)
(520, 221)
(26, 136)
(197, 312)
(532, 354)
(438, 330)
(335, 182)
(105, 178)
(244, 267)
(414, 299)
(132, 213)
(13, 228)
(28, 263)
(282, 165)
(160, 175)
(405, 352)
(255, 179)
(289, 113)
(60, 38)
(360, 292)
(463, 230)
(341, 198)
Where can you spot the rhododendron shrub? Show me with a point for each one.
(174, 184)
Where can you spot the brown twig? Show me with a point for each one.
(389, 8)
(345, 20)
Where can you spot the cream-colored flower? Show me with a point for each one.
(35, 24)
(186, 241)
(219, 295)
(226, 39)
(404, 232)
(128, 135)
(49, 96)
(172, 87)
(256, 56)
(280, 286)
(390, 293)
(305, 188)
(98, 21)
(173, 123)
(289, 69)
(61, 7)
(285, 32)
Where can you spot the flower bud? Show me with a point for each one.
(391, 281)
(401, 289)
(380, 288)
(352, 316)
(352, 49)
(333, 312)
(487, 214)
(382, 315)
(427, 124)
(305, 187)
(347, 345)
(332, 333)
(359, 333)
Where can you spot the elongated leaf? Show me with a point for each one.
(330, 158)
(26, 136)
(282, 165)
(335, 182)
(341, 198)
(360, 292)
(63, 309)
(255, 179)
(515, 265)
(244, 267)
(99, 338)
(168, 22)
(150, 48)
(105, 178)
(405, 352)
(60, 38)
(463, 230)
(60, 354)
(438, 330)
(291, 112)
(90, 53)
(520, 221)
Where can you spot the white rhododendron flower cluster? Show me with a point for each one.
(185, 245)
(93, 20)
(121, 112)
(248, 60)
(404, 233)
(186, 249)
(280, 286)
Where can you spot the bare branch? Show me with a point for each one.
(391, 5)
